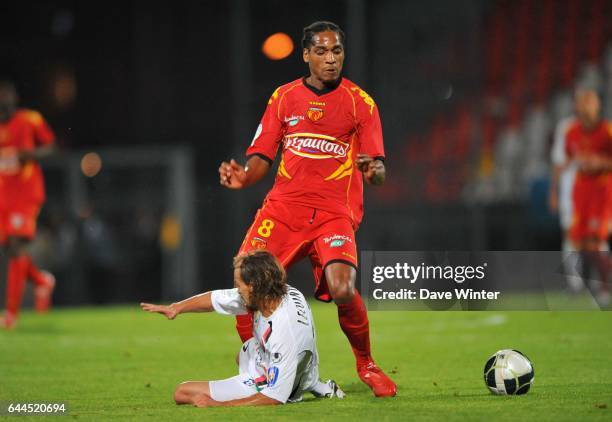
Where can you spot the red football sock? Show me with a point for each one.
(353, 319)
(17, 273)
(34, 273)
(244, 325)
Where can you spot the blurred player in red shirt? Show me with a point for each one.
(25, 138)
(589, 145)
(330, 136)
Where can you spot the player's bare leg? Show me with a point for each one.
(599, 260)
(341, 282)
(593, 257)
(353, 319)
(188, 392)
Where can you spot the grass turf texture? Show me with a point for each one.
(123, 363)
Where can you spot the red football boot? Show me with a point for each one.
(42, 293)
(377, 380)
(9, 320)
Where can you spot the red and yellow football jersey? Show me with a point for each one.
(19, 184)
(592, 192)
(581, 142)
(320, 134)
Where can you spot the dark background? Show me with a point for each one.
(449, 78)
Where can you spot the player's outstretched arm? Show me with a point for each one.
(197, 303)
(36, 154)
(168, 311)
(373, 170)
(553, 192)
(234, 176)
(254, 400)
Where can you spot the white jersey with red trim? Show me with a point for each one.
(286, 362)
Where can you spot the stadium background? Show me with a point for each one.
(469, 94)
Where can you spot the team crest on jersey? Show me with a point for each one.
(317, 146)
(315, 113)
(259, 243)
(272, 376)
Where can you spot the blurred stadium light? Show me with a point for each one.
(277, 46)
(91, 164)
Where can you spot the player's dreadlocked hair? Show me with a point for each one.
(262, 270)
(320, 26)
(8, 99)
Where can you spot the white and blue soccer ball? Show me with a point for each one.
(508, 372)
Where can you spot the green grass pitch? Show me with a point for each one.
(121, 363)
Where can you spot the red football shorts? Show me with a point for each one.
(292, 232)
(18, 220)
(592, 212)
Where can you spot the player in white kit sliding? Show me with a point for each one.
(280, 362)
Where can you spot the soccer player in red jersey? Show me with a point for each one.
(589, 144)
(330, 135)
(25, 138)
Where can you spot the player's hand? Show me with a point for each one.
(169, 311)
(590, 163)
(372, 169)
(232, 175)
(9, 161)
(204, 400)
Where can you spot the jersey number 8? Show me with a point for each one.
(265, 229)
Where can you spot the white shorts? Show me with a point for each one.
(233, 388)
(245, 383)
(252, 378)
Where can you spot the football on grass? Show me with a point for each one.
(508, 372)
